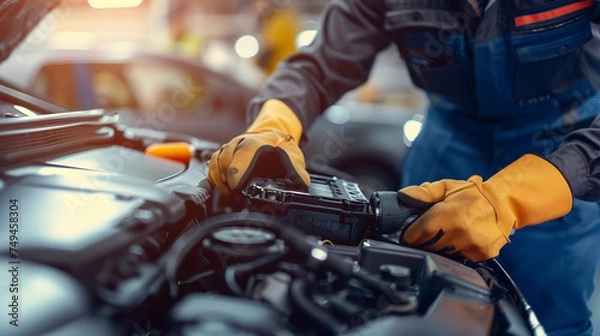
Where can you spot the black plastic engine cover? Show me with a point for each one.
(453, 298)
(101, 215)
(42, 300)
(73, 218)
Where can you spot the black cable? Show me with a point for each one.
(235, 272)
(327, 323)
(194, 236)
(298, 241)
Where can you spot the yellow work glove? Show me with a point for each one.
(268, 148)
(473, 219)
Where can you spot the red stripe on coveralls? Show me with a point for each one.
(553, 13)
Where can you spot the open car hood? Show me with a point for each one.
(18, 18)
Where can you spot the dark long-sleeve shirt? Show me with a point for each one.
(578, 158)
(339, 60)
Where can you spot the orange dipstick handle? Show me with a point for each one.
(176, 151)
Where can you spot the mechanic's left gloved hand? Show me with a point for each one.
(474, 218)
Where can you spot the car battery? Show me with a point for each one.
(333, 208)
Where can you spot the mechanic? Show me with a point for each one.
(278, 26)
(181, 40)
(506, 82)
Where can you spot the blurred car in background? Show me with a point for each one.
(168, 93)
(154, 91)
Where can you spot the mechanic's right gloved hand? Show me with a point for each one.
(474, 218)
(268, 148)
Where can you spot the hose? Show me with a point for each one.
(297, 240)
(237, 271)
(327, 323)
(171, 261)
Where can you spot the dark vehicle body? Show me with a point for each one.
(130, 244)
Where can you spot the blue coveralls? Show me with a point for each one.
(531, 85)
(504, 78)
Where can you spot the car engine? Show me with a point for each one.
(110, 241)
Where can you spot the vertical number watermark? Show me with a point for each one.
(13, 262)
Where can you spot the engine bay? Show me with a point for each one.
(111, 241)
